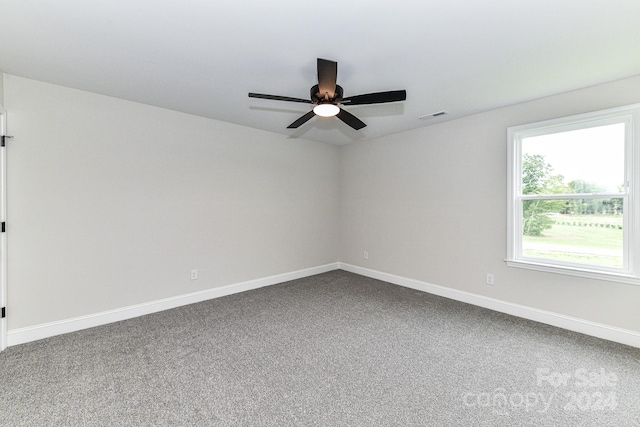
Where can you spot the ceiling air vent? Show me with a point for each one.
(432, 115)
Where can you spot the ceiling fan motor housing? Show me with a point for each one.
(319, 98)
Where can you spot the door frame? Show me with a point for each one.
(3, 235)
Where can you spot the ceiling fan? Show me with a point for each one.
(327, 98)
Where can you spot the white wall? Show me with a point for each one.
(430, 205)
(111, 203)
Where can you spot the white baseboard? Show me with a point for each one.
(586, 327)
(33, 333)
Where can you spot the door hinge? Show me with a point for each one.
(4, 138)
(4, 312)
(3, 226)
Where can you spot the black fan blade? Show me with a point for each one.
(327, 77)
(302, 120)
(278, 98)
(376, 98)
(350, 119)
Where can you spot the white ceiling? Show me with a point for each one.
(203, 57)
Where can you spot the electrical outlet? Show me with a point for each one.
(490, 279)
(194, 274)
(365, 255)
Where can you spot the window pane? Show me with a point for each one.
(580, 161)
(579, 231)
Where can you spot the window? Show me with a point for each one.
(574, 194)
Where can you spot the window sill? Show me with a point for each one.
(574, 271)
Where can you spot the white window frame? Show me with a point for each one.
(630, 115)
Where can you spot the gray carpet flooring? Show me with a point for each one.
(336, 349)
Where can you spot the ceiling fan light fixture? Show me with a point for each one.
(326, 110)
(327, 98)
